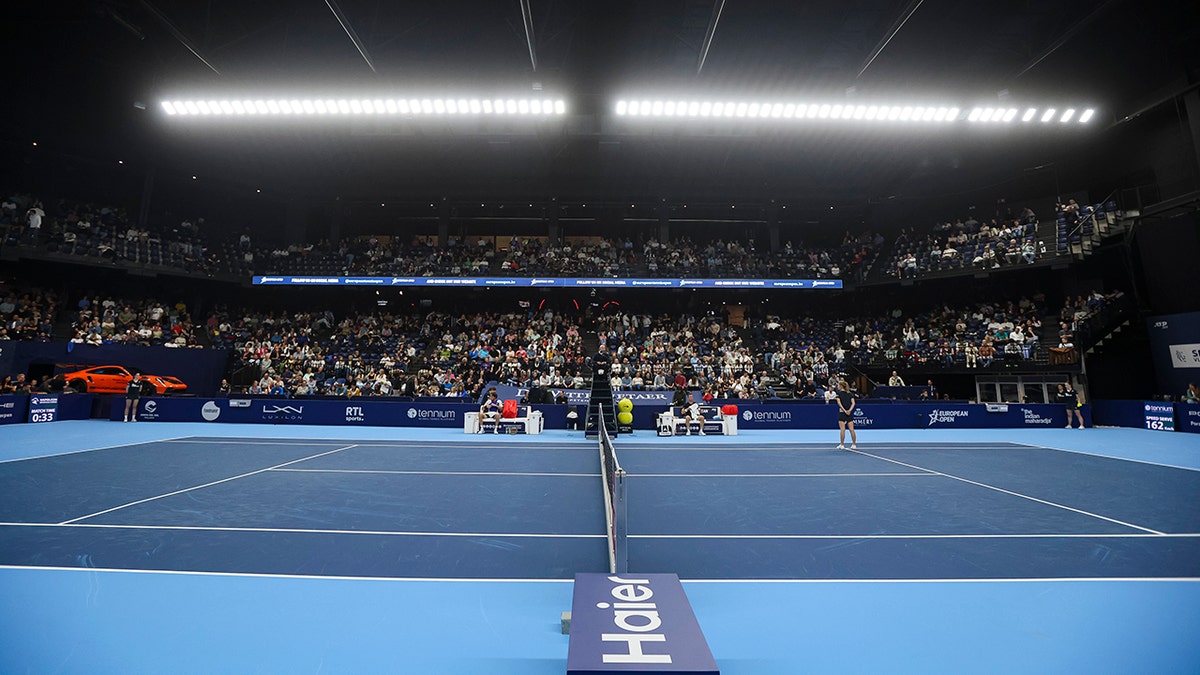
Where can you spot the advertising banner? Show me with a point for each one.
(351, 412)
(635, 623)
(1187, 417)
(751, 415)
(13, 408)
(1175, 346)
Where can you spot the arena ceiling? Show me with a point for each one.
(85, 77)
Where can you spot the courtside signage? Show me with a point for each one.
(13, 408)
(1159, 416)
(43, 408)
(543, 282)
(634, 623)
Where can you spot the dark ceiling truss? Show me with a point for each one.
(718, 7)
(177, 34)
(345, 23)
(1066, 36)
(905, 15)
(527, 20)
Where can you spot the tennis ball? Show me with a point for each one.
(624, 417)
(625, 405)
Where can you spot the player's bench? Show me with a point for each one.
(527, 421)
(722, 420)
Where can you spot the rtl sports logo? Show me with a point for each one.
(947, 416)
(354, 413)
(283, 412)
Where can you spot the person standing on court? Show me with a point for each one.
(489, 410)
(133, 392)
(1071, 401)
(846, 403)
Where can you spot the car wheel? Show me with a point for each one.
(79, 386)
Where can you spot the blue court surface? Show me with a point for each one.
(221, 548)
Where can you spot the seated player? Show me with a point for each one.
(691, 413)
(489, 410)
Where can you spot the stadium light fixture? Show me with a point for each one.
(839, 112)
(379, 106)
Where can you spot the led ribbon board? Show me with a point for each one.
(545, 282)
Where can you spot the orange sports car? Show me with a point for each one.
(114, 379)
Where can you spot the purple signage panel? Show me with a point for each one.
(635, 623)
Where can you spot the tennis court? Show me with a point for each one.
(765, 523)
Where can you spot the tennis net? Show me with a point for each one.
(614, 500)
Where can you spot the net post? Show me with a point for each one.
(620, 525)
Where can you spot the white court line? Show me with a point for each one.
(1074, 535)
(1015, 494)
(396, 444)
(775, 475)
(223, 441)
(961, 580)
(261, 575)
(289, 530)
(805, 447)
(1120, 459)
(593, 475)
(174, 439)
(476, 580)
(197, 487)
(535, 535)
(441, 473)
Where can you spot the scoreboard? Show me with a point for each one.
(43, 407)
(1159, 416)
